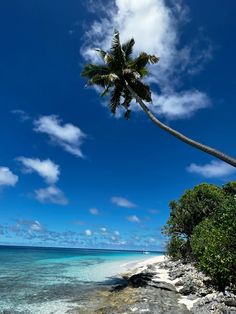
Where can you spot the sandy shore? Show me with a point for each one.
(161, 275)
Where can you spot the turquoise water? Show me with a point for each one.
(48, 280)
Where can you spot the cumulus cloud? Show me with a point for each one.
(68, 136)
(122, 202)
(51, 194)
(116, 233)
(179, 105)
(47, 169)
(88, 232)
(94, 211)
(7, 177)
(215, 169)
(133, 218)
(159, 33)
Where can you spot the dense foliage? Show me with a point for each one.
(202, 227)
(192, 207)
(177, 247)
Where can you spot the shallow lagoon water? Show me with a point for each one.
(49, 280)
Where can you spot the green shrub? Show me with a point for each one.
(192, 208)
(230, 188)
(176, 248)
(213, 244)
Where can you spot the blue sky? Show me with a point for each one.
(73, 175)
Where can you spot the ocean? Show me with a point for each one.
(35, 280)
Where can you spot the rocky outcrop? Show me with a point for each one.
(145, 296)
(189, 279)
(196, 285)
(215, 303)
(140, 280)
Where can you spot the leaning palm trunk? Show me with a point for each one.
(207, 149)
(122, 75)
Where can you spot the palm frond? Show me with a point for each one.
(127, 114)
(143, 72)
(142, 60)
(106, 90)
(115, 98)
(106, 57)
(104, 80)
(101, 52)
(117, 51)
(141, 89)
(99, 80)
(132, 74)
(128, 48)
(90, 70)
(127, 98)
(153, 59)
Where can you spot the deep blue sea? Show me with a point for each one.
(49, 280)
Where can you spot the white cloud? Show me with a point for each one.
(152, 240)
(7, 178)
(179, 105)
(158, 33)
(103, 230)
(32, 225)
(215, 169)
(36, 226)
(68, 136)
(51, 194)
(23, 116)
(47, 169)
(88, 232)
(133, 218)
(94, 211)
(116, 233)
(122, 202)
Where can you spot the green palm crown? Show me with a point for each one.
(119, 68)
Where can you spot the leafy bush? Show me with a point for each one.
(192, 208)
(230, 188)
(176, 248)
(213, 244)
(202, 226)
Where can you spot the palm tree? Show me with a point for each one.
(120, 75)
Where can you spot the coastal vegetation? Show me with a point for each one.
(202, 229)
(120, 75)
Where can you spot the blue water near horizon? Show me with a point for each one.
(48, 280)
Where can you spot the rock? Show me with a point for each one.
(162, 285)
(179, 283)
(189, 287)
(151, 268)
(230, 302)
(215, 303)
(203, 292)
(156, 301)
(140, 280)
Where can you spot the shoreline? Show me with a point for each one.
(162, 274)
(159, 285)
